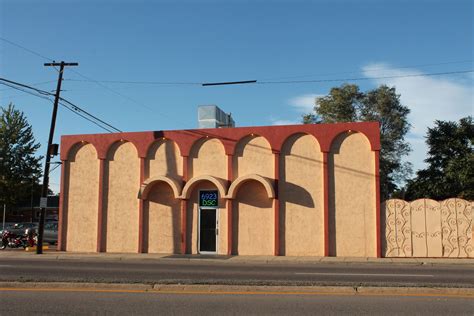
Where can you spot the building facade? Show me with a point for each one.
(298, 190)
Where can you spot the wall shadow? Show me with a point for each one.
(252, 196)
(332, 196)
(161, 194)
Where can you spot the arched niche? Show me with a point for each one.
(352, 197)
(81, 195)
(161, 217)
(122, 180)
(191, 193)
(253, 228)
(164, 159)
(301, 197)
(207, 157)
(253, 155)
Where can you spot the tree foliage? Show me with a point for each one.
(19, 167)
(450, 170)
(348, 104)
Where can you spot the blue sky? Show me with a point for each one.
(204, 41)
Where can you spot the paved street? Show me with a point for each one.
(223, 271)
(93, 302)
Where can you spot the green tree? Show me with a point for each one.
(18, 164)
(348, 104)
(450, 170)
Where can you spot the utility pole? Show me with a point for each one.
(44, 191)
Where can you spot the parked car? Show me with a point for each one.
(50, 235)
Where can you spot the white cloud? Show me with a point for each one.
(304, 103)
(284, 122)
(428, 98)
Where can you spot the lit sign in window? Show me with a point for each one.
(208, 198)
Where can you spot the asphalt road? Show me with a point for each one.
(33, 302)
(201, 271)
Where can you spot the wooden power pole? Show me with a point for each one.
(44, 191)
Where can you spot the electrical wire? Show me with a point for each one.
(124, 96)
(26, 49)
(84, 117)
(34, 84)
(139, 82)
(260, 82)
(367, 78)
(70, 106)
(373, 69)
(78, 109)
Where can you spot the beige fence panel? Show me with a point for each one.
(427, 228)
(397, 229)
(457, 228)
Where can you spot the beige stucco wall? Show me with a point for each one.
(82, 185)
(253, 155)
(207, 157)
(253, 221)
(162, 217)
(123, 181)
(301, 197)
(352, 208)
(164, 159)
(192, 220)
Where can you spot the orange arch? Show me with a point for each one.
(220, 184)
(148, 184)
(266, 182)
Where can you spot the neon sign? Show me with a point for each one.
(208, 198)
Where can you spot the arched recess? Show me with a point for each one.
(164, 158)
(207, 157)
(301, 197)
(219, 183)
(122, 178)
(253, 155)
(191, 193)
(81, 198)
(146, 186)
(267, 183)
(161, 216)
(253, 229)
(352, 196)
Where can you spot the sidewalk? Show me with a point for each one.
(61, 255)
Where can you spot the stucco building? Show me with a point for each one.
(297, 190)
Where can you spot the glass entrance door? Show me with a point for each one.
(207, 230)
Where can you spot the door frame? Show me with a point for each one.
(199, 231)
(216, 208)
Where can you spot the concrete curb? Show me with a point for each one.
(236, 259)
(240, 289)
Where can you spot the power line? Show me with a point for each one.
(26, 49)
(367, 78)
(85, 117)
(122, 95)
(374, 69)
(98, 82)
(139, 82)
(71, 106)
(78, 109)
(87, 78)
(34, 84)
(281, 82)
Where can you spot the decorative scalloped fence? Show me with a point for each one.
(428, 228)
